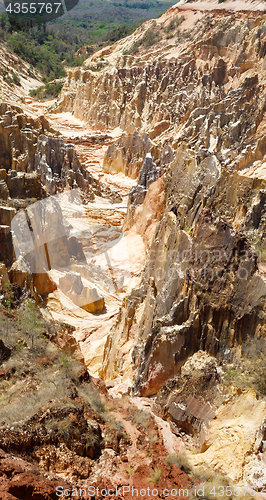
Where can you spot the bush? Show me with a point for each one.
(120, 32)
(188, 230)
(30, 71)
(180, 20)
(154, 477)
(142, 418)
(153, 438)
(15, 78)
(248, 373)
(48, 91)
(170, 26)
(150, 38)
(73, 60)
(174, 23)
(91, 396)
(180, 459)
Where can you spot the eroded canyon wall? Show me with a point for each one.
(199, 96)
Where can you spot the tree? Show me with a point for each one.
(31, 321)
(4, 322)
(8, 300)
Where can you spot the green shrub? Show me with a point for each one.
(30, 71)
(150, 38)
(171, 25)
(48, 91)
(180, 20)
(15, 78)
(174, 23)
(188, 230)
(73, 60)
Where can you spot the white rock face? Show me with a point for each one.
(232, 437)
(83, 296)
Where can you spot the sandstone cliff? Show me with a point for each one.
(188, 92)
(35, 163)
(199, 95)
(15, 77)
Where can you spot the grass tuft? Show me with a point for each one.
(155, 475)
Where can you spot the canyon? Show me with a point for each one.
(149, 257)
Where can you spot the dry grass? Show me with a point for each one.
(180, 459)
(142, 418)
(37, 375)
(155, 475)
(213, 484)
(246, 373)
(153, 438)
